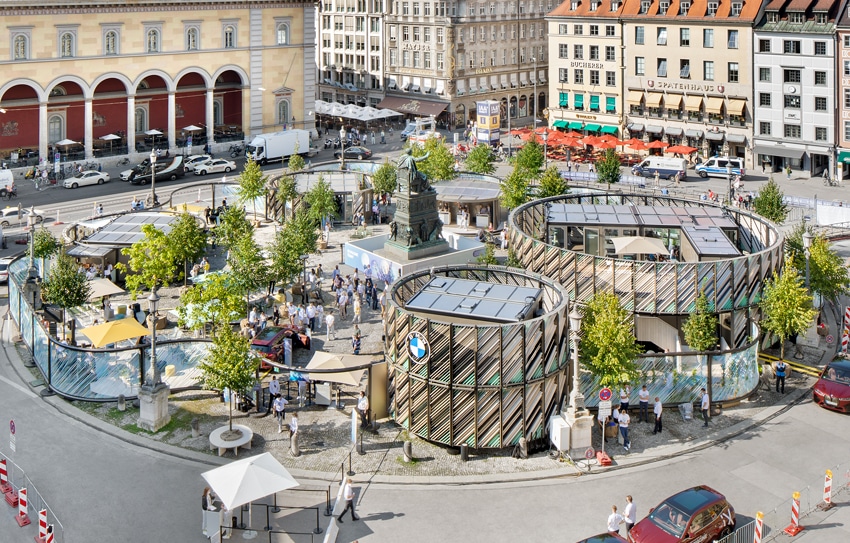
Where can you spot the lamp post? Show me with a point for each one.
(534, 80)
(807, 243)
(153, 394)
(304, 297)
(576, 397)
(342, 152)
(545, 148)
(153, 178)
(153, 301)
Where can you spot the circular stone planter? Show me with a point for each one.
(223, 438)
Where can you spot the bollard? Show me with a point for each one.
(196, 427)
(407, 448)
(42, 526)
(294, 450)
(759, 527)
(794, 528)
(464, 453)
(49, 538)
(523, 448)
(22, 519)
(827, 504)
(122, 403)
(5, 487)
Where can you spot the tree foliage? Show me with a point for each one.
(770, 202)
(45, 244)
(700, 329)
(65, 286)
(252, 184)
(515, 188)
(296, 163)
(233, 226)
(384, 180)
(213, 301)
(786, 306)
(551, 183)
(188, 241)
(530, 158)
(297, 237)
(248, 268)
(151, 263)
(480, 159)
(828, 276)
(608, 168)
(287, 191)
(230, 364)
(321, 201)
(489, 256)
(440, 164)
(608, 345)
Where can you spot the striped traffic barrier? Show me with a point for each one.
(22, 518)
(827, 504)
(845, 332)
(49, 538)
(42, 526)
(794, 528)
(5, 487)
(759, 527)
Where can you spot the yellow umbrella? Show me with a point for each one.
(114, 331)
(342, 362)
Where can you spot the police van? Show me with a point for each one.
(721, 166)
(665, 167)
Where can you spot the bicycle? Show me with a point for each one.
(91, 166)
(829, 181)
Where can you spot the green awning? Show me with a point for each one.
(608, 129)
(560, 124)
(610, 104)
(844, 156)
(576, 125)
(594, 101)
(578, 101)
(592, 128)
(564, 99)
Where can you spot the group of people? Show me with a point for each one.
(201, 267)
(629, 517)
(351, 294)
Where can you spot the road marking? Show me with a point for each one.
(25, 390)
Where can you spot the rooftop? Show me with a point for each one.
(478, 300)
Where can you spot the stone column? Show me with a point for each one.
(87, 131)
(172, 140)
(131, 123)
(210, 116)
(42, 132)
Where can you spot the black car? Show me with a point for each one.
(355, 153)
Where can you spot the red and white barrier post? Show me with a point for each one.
(22, 519)
(49, 538)
(5, 487)
(759, 527)
(794, 528)
(827, 504)
(42, 526)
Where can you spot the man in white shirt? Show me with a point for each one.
(624, 421)
(643, 398)
(363, 409)
(311, 316)
(274, 391)
(656, 410)
(630, 514)
(614, 521)
(348, 495)
(252, 316)
(329, 322)
(705, 404)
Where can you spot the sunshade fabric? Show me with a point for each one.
(693, 103)
(608, 129)
(610, 103)
(576, 125)
(638, 245)
(578, 101)
(249, 479)
(414, 106)
(673, 101)
(714, 105)
(329, 361)
(653, 99)
(736, 107)
(592, 128)
(114, 331)
(560, 124)
(635, 97)
(594, 101)
(103, 287)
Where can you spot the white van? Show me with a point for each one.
(666, 167)
(721, 166)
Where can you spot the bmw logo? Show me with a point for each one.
(420, 350)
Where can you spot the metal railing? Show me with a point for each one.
(35, 501)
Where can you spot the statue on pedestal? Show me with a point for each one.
(409, 178)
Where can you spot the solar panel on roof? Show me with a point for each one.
(475, 299)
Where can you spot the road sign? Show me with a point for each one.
(605, 394)
(12, 427)
(604, 408)
(589, 453)
(12, 435)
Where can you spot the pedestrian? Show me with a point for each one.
(373, 137)
(280, 411)
(643, 399)
(274, 392)
(656, 410)
(781, 368)
(329, 323)
(705, 404)
(207, 504)
(357, 310)
(614, 521)
(355, 343)
(624, 421)
(363, 409)
(630, 514)
(383, 139)
(590, 168)
(348, 494)
(625, 392)
(788, 171)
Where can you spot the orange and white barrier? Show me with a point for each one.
(827, 504)
(794, 528)
(759, 527)
(49, 538)
(845, 332)
(5, 487)
(22, 519)
(42, 526)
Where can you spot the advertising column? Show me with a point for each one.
(488, 122)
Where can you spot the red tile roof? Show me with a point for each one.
(583, 9)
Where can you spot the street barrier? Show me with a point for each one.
(33, 502)
(794, 528)
(22, 519)
(759, 527)
(42, 526)
(5, 487)
(827, 504)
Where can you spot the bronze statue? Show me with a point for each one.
(437, 231)
(411, 177)
(393, 230)
(423, 231)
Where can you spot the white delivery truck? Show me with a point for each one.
(277, 146)
(665, 167)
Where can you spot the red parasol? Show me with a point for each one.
(573, 134)
(606, 145)
(681, 149)
(636, 144)
(657, 144)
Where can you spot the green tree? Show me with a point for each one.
(65, 287)
(188, 241)
(551, 183)
(489, 256)
(480, 159)
(233, 226)
(321, 201)
(608, 346)
(45, 245)
(287, 192)
(296, 163)
(297, 237)
(828, 276)
(786, 306)
(513, 260)
(700, 330)
(770, 202)
(248, 268)
(214, 301)
(384, 180)
(530, 158)
(440, 164)
(230, 364)
(151, 263)
(515, 188)
(608, 168)
(252, 184)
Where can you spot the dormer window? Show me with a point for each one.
(684, 7)
(820, 18)
(663, 6)
(796, 17)
(772, 16)
(574, 5)
(712, 9)
(615, 6)
(644, 6)
(594, 6)
(736, 8)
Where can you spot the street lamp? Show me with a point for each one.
(545, 148)
(304, 296)
(153, 301)
(153, 178)
(807, 243)
(342, 152)
(576, 397)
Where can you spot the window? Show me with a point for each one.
(22, 48)
(708, 70)
(610, 53)
(764, 74)
(440, 61)
(712, 9)
(66, 45)
(764, 99)
(764, 46)
(563, 75)
(640, 66)
(820, 133)
(563, 99)
(732, 72)
(283, 116)
(792, 131)
(639, 34)
(594, 30)
(282, 34)
(732, 41)
(416, 33)
(563, 29)
(405, 8)
(578, 52)
(847, 40)
(152, 41)
(791, 76)
(663, 6)
(685, 68)
(427, 34)
(847, 99)
(708, 37)
(791, 47)
(847, 130)
(55, 128)
(594, 52)
(820, 79)
(578, 77)
(736, 9)
(797, 17)
(416, 8)
(439, 34)
(792, 101)
(594, 77)
(685, 37)
(684, 6)
(764, 128)
(820, 48)
(610, 30)
(192, 39)
(578, 30)
(611, 79)
(847, 67)
(772, 16)
(820, 103)
(229, 37)
(662, 36)
(110, 42)
(405, 33)
(662, 67)
(644, 6)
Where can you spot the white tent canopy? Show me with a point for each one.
(352, 111)
(103, 287)
(632, 245)
(343, 362)
(249, 479)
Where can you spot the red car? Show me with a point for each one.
(694, 515)
(832, 390)
(604, 538)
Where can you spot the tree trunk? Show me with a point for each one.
(63, 324)
(708, 381)
(185, 272)
(782, 348)
(230, 414)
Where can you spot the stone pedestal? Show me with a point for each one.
(581, 429)
(417, 225)
(153, 407)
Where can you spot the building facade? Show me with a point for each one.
(842, 84)
(350, 51)
(443, 57)
(88, 70)
(795, 80)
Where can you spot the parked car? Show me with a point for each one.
(10, 216)
(694, 515)
(832, 390)
(214, 165)
(355, 153)
(4, 269)
(194, 160)
(87, 177)
(604, 538)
